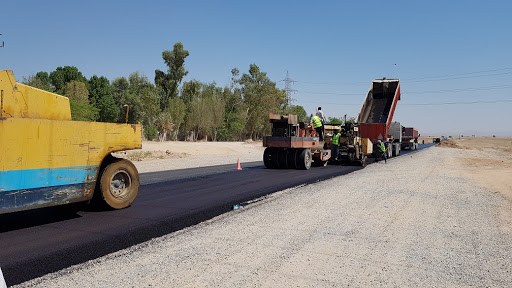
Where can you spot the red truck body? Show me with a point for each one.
(410, 133)
(378, 108)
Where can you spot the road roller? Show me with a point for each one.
(293, 144)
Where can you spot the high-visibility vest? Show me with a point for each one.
(316, 122)
(382, 147)
(336, 139)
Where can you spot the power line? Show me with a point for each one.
(428, 78)
(424, 104)
(330, 93)
(462, 74)
(418, 92)
(455, 78)
(463, 89)
(461, 102)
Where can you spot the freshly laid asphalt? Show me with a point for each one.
(34, 243)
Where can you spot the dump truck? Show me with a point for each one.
(47, 159)
(404, 137)
(376, 113)
(293, 144)
(410, 137)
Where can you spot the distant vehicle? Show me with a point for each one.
(436, 140)
(403, 137)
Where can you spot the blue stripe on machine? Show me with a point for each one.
(24, 199)
(46, 177)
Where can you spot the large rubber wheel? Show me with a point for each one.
(291, 158)
(282, 155)
(267, 157)
(119, 184)
(275, 158)
(304, 159)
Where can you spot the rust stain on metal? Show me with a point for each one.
(134, 127)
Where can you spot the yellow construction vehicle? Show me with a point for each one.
(46, 159)
(352, 148)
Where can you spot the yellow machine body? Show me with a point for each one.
(45, 158)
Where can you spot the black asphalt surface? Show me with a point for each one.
(34, 243)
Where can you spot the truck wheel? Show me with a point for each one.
(304, 161)
(119, 184)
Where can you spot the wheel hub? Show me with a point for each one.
(120, 184)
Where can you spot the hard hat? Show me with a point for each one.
(378, 141)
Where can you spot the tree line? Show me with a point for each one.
(170, 109)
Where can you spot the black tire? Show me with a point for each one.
(275, 158)
(282, 158)
(291, 157)
(119, 184)
(304, 159)
(267, 158)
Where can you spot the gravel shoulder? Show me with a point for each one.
(418, 220)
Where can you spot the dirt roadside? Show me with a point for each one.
(172, 155)
(487, 161)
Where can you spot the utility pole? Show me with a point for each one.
(288, 88)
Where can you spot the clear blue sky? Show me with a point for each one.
(333, 49)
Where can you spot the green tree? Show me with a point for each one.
(205, 110)
(41, 81)
(63, 75)
(334, 121)
(150, 132)
(164, 124)
(261, 97)
(215, 109)
(100, 96)
(338, 121)
(177, 110)
(78, 96)
(191, 90)
(123, 96)
(301, 113)
(235, 113)
(170, 81)
(77, 91)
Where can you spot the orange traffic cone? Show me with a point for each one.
(238, 165)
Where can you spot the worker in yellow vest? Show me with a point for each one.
(317, 124)
(382, 150)
(335, 143)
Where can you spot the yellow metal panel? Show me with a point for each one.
(41, 143)
(22, 101)
(367, 146)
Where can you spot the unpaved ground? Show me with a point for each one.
(418, 220)
(487, 162)
(171, 155)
